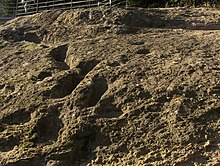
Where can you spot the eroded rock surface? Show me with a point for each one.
(111, 87)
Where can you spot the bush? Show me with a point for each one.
(171, 3)
(8, 7)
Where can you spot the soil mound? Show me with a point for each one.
(111, 86)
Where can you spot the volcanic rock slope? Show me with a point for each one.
(111, 86)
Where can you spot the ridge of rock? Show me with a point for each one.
(111, 86)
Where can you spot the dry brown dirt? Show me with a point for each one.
(111, 87)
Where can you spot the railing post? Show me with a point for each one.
(110, 2)
(37, 6)
(98, 3)
(16, 9)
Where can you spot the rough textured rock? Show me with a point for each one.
(111, 87)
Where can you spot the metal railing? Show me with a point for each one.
(28, 7)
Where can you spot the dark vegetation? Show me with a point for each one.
(139, 3)
(8, 6)
(172, 3)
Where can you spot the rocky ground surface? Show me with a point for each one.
(111, 87)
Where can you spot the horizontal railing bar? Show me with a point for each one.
(74, 2)
(60, 4)
(21, 14)
(69, 3)
(27, 9)
(40, 2)
(28, 6)
(25, 1)
(69, 7)
(51, 1)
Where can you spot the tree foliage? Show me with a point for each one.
(7, 7)
(171, 3)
